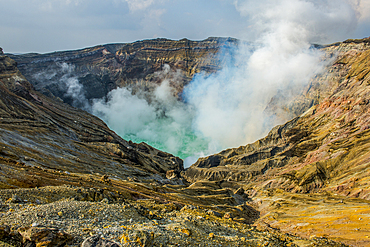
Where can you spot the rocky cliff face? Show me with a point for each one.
(314, 150)
(103, 68)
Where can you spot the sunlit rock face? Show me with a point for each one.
(323, 149)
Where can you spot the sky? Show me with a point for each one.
(54, 25)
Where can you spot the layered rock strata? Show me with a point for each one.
(308, 176)
(137, 65)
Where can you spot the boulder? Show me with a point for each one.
(41, 236)
(98, 241)
(4, 231)
(137, 238)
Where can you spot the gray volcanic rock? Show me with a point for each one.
(43, 236)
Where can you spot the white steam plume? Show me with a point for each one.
(61, 75)
(226, 109)
(74, 89)
(230, 105)
(165, 122)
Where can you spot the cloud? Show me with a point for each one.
(44, 26)
(136, 5)
(362, 8)
(317, 20)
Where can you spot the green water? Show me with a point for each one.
(182, 145)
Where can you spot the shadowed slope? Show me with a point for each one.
(37, 131)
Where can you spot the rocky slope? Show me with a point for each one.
(37, 131)
(324, 151)
(308, 152)
(67, 179)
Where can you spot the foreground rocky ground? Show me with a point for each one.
(54, 216)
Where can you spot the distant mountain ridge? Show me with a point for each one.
(105, 67)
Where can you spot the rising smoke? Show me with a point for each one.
(165, 122)
(226, 109)
(229, 106)
(61, 78)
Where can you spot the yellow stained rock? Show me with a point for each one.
(186, 231)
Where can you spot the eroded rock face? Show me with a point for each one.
(315, 161)
(323, 149)
(103, 68)
(248, 161)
